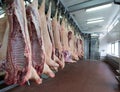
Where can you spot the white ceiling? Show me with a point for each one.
(72, 2)
(81, 16)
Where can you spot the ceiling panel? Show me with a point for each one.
(81, 15)
(108, 14)
(68, 3)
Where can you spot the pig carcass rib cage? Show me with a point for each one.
(38, 56)
(18, 60)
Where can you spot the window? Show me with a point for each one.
(116, 49)
(109, 49)
(113, 48)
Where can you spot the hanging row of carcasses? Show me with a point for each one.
(31, 44)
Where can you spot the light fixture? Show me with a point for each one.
(106, 26)
(99, 7)
(2, 15)
(116, 22)
(113, 25)
(94, 34)
(110, 28)
(96, 21)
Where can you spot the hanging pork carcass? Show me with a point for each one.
(18, 65)
(79, 45)
(56, 34)
(46, 38)
(64, 41)
(71, 43)
(38, 57)
(80, 48)
(51, 35)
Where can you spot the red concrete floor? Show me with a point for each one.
(77, 77)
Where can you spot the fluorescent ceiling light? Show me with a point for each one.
(110, 28)
(98, 7)
(107, 26)
(2, 15)
(113, 25)
(94, 34)
(116, 22)
(96, 21)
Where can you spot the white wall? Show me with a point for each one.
(110, 37)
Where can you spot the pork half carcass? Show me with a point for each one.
(18, 65)
(38, 57)
(64, 40)
(49, 26)
(50, 31)
(76, 46)
(80, 48)
(46, 38)
(64, 37)
(56, 34)
(71, 41)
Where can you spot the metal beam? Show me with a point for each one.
(71, 16)
(8, 88)
(88, 4)
(76, 22)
